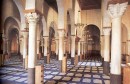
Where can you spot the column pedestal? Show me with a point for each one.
(48, 58)
(31, 75)
(115, 79)
(45, 59)
(64, 64)
(76, 60)
(106, 67)
(60, 65)
(72, 60)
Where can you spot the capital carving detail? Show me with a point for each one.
(61, 32)
(32, 17)
(117, 10)
(106, 30)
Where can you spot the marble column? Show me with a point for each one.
(61, 47)
(79, 53)
(106, 64)
(25, 47)
(45, 48)
(72, 49)
(32, 19)
(116, 11)
(57, 48)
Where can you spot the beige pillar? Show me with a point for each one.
(106, 66)
(32, 19)
(45, 48)
(72, 49)
(61, 47)
(116, 11)
(25, 48)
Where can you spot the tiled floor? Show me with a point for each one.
(87, 72)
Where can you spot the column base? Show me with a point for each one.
(72, 60)
(45, 59)
(31, 75)
(60, 65)
(56, 57)
(115, 79)
(24, 63)
(64, 64)
(102, 60)
(79, 58)
(106, 67)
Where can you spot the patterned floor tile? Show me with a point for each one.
(57, 77)
(76, 79)
(66, 78)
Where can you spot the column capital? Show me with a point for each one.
(32, 17)
(106, 30)
(73, 36)
(61, 32)
(117, 10)
(45, 37)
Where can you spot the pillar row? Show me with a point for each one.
(116, 11)
(106, 64)
(32, 19)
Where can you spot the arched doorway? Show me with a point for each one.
(92, 40)
(14, 41)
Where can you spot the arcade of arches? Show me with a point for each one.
(65, 42)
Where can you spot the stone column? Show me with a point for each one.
(79, 51)
(116, 11)
(45, 48)
(61, 47)
(32, 20)
(25, 47)
(57, 48)
(106, 66)
(72, 49)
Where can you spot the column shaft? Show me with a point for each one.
(106, 66)
(32, 20)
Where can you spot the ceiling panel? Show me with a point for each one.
(89, 4)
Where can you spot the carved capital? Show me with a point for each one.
(32, 17)
(117, 10)
(106, 30)
(61, 32)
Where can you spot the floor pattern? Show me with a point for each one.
(88, 72)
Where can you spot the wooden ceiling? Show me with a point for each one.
(96, 4)
(53, 4)
(89, 4)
